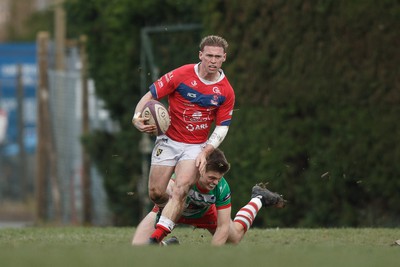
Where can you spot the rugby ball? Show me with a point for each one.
(157, 114)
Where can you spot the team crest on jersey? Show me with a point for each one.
(193, 83)
(214, 101)
(216, 90)
(158, 152)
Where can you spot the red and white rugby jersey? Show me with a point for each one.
(194, 103)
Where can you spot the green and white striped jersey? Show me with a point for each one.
(199, 201)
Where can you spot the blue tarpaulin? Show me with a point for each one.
(12, 55)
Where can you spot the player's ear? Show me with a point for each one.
(200, 55)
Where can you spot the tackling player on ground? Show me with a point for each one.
(198, 95)
(208, 206)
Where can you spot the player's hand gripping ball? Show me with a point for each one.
(157, 114)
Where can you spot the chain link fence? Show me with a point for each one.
(65, 100)
(17, 190)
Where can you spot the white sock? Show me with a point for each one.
(166, 223)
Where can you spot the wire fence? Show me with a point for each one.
(65, 106)
(66, 121)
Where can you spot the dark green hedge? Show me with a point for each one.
(318, 92)
(318, 100)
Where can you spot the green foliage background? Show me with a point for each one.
(318, 99)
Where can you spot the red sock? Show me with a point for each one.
(160, 233)
(247, 214)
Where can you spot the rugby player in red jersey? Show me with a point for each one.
(198, 96)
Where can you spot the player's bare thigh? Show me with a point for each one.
(159, 177)
(186, 174)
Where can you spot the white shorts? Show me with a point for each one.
(168, 152)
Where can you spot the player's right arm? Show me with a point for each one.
(223, 223)
(222, 122)
(137, 120)
(213, 142)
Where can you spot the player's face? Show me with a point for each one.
(212, 58)
(210, 180)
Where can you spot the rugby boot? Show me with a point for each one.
(170, 241)
(153, 241)
(268, 198)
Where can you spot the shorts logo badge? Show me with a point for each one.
(158, 152)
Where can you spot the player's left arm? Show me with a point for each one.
(213, 142)
(222, 122)
(222, 232)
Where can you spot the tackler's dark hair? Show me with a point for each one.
(217, 162)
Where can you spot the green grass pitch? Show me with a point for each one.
(110, 246)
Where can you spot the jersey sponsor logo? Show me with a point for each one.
(160, 83)
(199, 198)
(192, 127)
(188, 104)
(192, 95)
(194, 116)
(169, 76)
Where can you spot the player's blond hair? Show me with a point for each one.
(213, 40)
